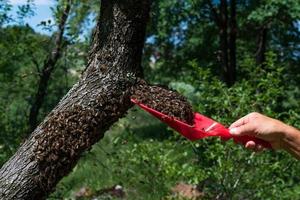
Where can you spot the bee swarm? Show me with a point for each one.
(69, 132)
(164, 100)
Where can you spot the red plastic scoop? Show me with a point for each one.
(203, 127)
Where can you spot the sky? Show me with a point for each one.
(37, 2)
(42, 12)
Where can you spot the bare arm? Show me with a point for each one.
(279, 134)
(291, 142)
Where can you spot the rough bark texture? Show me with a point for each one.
(97, 101)
(48, 68)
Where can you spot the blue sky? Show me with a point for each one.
(42, 12)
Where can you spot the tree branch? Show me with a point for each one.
(47, 69)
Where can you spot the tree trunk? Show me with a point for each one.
(97, 101)
(232, 44)
(261, 46)
(48, 69)
(223, 40)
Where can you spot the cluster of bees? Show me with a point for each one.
(164, 100)
(67, 133)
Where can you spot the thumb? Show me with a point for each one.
(246, 129)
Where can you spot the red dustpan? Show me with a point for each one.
(203, 127)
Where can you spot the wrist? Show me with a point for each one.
(290, 139)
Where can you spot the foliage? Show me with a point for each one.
(4, 9)
(232, 174)
(22, 52)
(17, 78)
(148, 165)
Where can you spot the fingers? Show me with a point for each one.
(239, 122)
(246, 119)
(250, 145)
(255, 147)
(246, 129)
(259, 148)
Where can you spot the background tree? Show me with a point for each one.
(49, 65)
(4, 8)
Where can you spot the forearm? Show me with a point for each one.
(291, 141)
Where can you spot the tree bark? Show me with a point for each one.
(48, 68)
(227, 48)
(261, 46)
(232, 44)
(224, 40)
(97, 101)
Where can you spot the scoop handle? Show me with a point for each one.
(244, 139)
(224, 133)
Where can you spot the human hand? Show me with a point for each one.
(259, 126)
